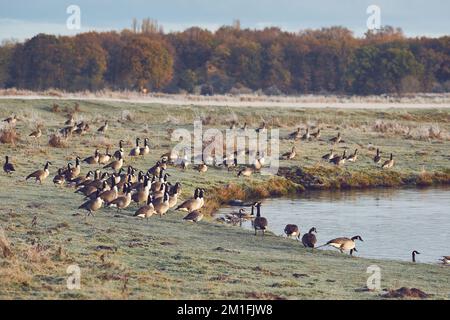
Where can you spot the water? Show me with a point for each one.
(392, 223)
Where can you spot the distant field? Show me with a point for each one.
(122, 257)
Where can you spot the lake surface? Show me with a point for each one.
(391, 222)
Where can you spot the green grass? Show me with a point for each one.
(170, 259)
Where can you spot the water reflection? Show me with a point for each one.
(392, 222)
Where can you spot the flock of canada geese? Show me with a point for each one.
(118, 186)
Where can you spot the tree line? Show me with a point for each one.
(231, 59)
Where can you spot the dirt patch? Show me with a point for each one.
(406, 293)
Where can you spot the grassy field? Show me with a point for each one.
(122, 257)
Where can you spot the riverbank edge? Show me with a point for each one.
(294, 181)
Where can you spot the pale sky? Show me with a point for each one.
(22, 19)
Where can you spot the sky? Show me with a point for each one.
(22, 19)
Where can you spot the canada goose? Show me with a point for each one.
(291, 230)
(123, 201)
(88, 190)
(344, 244)
(316, 135)
(336, 139)
(162, 205)
(103, 188)
(93, 204)
(36, 134)
(192, 204)
(60, 178)
(83, 179)
(202, 168)
(116, 165)
(329, 156)
(260, 223)
(70, 121)
(110, 195)
(170, 157)
(445, 259)
(339, 160)
(145, 149)
(8, 167)
(295, 135)
(194, 216)
(243, 215)
(136, 150)
(120, 152)
(353, 157)
(246, 172)
(72, 173)
(40, 175)
(309, 239)
(103, 128)
(147, 210)
(11, 120)
(142, 194)
(244, 128)
(306, 136)
(289, 155)
(262, 128)
(93, 159)
(413, 255)
(377, 158)
(104, 158)
(388, 163)
(173, 195)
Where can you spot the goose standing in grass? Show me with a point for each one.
(344, 244)
(316, 135)
(103, 128)
(162, 205)
(116, 165)
(192, 204)
(142, 194)
(337, 139)
(289, 155)
(40, 175)
(202, 168)
(329, 156)
(260, 223)
(262, 128)
(92, 205)
(295, 135)
(104, 158)
(353, 157)
(339, 160)
(120, 152)
(413, 255)
(377, 158)
(123, 201)
(145, 150)
(110, 195)
(136, 151)
(246, 172)
(74, 172)
(173, 195)
(309, 239)
(60, 178)
(291, 230)
(81, 180)
(93, 159)
(36, 134)
(11, 120)
(147, 210)
(307, 135)
(8, 167)
(194, 216)
(388, 163)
